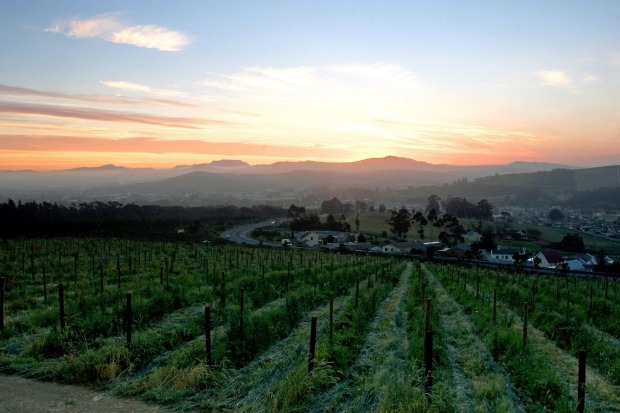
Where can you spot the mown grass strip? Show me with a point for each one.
(480, 384)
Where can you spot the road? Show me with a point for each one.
(241, 235)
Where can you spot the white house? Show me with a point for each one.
(549, 259)
(503, 255)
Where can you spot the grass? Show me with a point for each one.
(555, 371)
(481, 384)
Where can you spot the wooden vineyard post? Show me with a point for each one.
(606, 286)
(331, 319)
(357, 293)
(223, 291)
(581, 382)
(208, 335)
(494, 305)
(312, 344)
(61, 305)
(423, 292)
(524, 348)
(44, 285)
(241, 312)
(118, 271)
(427, 319)
(128, 319)
(428, 363)
(101, 276)
(1, 303)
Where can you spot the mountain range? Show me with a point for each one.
(226, 180)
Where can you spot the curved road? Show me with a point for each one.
(241, 235)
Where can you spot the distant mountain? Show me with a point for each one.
(108, 167)
(229, 178)
(221, 164)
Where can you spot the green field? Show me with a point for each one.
(261, 304)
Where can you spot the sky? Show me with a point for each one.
(164, 83)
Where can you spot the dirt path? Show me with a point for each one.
(18, 395)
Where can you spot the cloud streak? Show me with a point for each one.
(104, 115)
(147, 145)
(109, 27)
(93, 98)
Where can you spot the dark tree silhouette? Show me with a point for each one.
(400, 222)
(555, 215)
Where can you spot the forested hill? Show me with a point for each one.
(579, 187)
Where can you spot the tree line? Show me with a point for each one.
(115, 219)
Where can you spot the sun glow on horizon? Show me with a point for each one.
(153, 91)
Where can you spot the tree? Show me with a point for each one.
(487, 241)
(419, 218)
(484, 210)
(519, 258)
(432, 218)
(400, 222)
(381, 208)
(452, 230)
(333, 206)
(295, 211)
(434, 202)
(555, 215)
(572, 243)
(357, 222)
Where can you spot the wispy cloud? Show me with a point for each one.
(104, 115)
(121, 84)
(449, 137)
(95, 98)
(555, 78)
(110, 28)
(590, 79)
(265, 78)
(384, 72)
(287, 79)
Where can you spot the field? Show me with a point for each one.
(374, 224)
(230, 328)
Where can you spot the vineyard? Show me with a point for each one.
(230, 328)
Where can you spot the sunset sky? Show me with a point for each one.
(164, 83)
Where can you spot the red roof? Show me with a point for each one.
(552, 257)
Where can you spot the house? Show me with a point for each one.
(575, 265)
(310, 238)
(471, 236)
(549, 259)
(315, 238)
(391, 249)
(458, 251)
(588, 261)
(503, 255)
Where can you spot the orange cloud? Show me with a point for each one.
(104, 115)
(146, 145)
